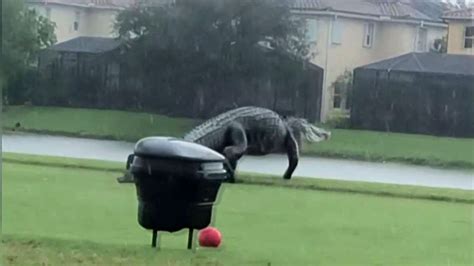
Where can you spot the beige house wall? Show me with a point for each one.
(456, 37)
(389, 40)
(92, 21)
(100, 23)
(394, 39)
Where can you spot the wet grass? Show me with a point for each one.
(71, 216)
(108, 124)
(321, 184)
(349, 144)
(407, 148)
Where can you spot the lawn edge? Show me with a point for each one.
(461, 165)
(245, 178)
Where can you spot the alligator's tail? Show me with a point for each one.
(312, 133)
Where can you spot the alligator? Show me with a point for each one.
(255, 131)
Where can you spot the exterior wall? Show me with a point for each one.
(390, 40)
(395, 39)
(92, 22)
(100, 23)
(436, 33)
(64, 17)
(398, 38)
(456, 37)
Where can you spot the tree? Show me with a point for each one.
(224, 34)
(197, 52)
(24, 33)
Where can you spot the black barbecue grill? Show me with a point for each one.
(177, 184)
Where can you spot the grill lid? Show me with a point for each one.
(176, 149)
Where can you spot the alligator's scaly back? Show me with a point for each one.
(213, 129)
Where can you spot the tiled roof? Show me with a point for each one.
(391, 8)
(428, 63)
(113, 4)
(466, 13)
(87, 45)
(308, 4)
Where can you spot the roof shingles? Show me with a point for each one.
(466, 13)
(392, 8)
(87, 45)
(428, 63)
(114, 4)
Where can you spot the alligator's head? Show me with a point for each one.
(302, 128)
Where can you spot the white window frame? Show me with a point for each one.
(424, 48)
(468, 37)
(368, 34)
(48, 12)
(312, 30)
(337, 95)
(77, 19)
(337, 31)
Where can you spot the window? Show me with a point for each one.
(468, 36)
(421, 40)
(337, 28)
(368, 34)
(48, 13)
(76, 20)
(312, 30)
(337, 95)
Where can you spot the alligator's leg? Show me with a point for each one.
(237, 145)
(292, 151)
(127, 177)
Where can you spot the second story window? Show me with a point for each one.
(77, 19)
(468, 36)
(312, 30)
(336, 35)
(48, 13)
(369, 29)
(421, 40)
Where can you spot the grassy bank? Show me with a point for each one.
(70, 216)
(350, 144)
(118, 125)
(321, 184)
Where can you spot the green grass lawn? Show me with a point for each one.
(70, 216)
(119, 125)
(321, 184)
(355, 144)
(408, 148)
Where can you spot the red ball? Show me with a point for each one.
(210, 237)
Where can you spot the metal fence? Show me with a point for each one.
(413, 102)
(103, 81)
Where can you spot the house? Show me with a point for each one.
(347, 34)
(344, 33)
(424, 93)
(75, 18)
(460, 31)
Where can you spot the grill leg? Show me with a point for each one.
(190, 238)
(153, 240)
